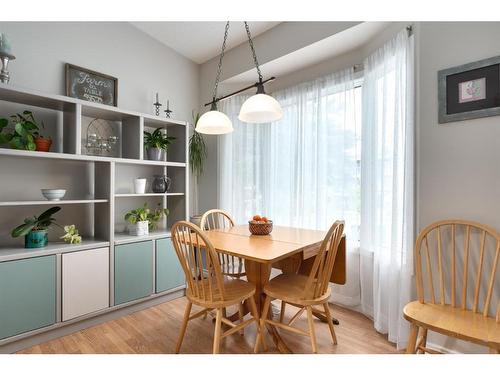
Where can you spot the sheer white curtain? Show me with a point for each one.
(303, 170)
(387, 175)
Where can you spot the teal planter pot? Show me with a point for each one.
(36, 239)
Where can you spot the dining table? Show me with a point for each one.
(291, 250)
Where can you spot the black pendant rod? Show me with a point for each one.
(239, 91)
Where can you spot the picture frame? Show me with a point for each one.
(92, 86)
(469, 91)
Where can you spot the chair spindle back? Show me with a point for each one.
(321, 271)
(199, 261)
(472, 262)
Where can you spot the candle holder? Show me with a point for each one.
(100, 138)
(4, 73)
(168, 111)
(157, 105)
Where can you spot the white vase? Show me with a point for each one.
(140, 185)
(141, 228)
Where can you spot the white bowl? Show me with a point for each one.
(53, 194)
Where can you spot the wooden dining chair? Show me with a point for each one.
(207, 286)
(456, 263)
(218, 219)
(306, 292)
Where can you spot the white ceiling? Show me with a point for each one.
(315, 53)
(200, 41)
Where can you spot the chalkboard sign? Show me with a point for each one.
(92, 86)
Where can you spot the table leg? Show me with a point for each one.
(258, 274)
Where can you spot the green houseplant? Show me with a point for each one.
(25, 134)
(143, 219)
(197, 149)
(156, 144)
(35, 229)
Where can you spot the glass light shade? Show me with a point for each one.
(214, 122)
(260, 108)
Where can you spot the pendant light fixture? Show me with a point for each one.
(213, 121)
(259, 108)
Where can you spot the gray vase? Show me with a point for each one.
(156, 154)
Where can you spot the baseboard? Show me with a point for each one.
(63, 329)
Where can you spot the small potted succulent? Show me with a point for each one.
(35, 229)
(25, 135)
(156, 144)
(144, 219)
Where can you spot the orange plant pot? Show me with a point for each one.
(43, 144)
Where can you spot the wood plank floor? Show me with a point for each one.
(155, 330)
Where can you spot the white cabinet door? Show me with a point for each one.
(85, 282)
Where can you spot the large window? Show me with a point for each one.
(303, 170)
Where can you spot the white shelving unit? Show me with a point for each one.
(99, 189)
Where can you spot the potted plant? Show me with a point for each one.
(156, 144)
(25, 135)
(197, 157)
(143, 219)
(35, 229)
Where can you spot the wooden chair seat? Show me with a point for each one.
(455, 322)
(235, 291)
(290, 288)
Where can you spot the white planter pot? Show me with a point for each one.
(140, 228)
(140, 185)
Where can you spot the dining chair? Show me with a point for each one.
(455, 264)
(219, 219)
(306, 291)
(207, 287)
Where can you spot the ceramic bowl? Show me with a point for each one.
(53, 194)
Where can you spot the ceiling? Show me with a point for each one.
(200, 41)
(335, 45)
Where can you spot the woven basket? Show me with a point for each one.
(260, 229)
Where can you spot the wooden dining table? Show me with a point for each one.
(292, 250)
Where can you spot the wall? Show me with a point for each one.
(457, 163)
(142, 65)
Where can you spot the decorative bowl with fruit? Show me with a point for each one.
(260, 225)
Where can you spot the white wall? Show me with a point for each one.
(142, 65)
(458, 163)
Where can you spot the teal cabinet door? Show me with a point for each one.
(27, 295)
(169, 273)
(133, 271)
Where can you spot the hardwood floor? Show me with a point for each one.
(155, 330)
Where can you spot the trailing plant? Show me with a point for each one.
(197, 149)
(71, 234)
(40, 222)
(157, 140)
(146, 214)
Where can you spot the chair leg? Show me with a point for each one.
(312, 333)
(282, 311)
(412, 340)
(240, 315)
(265, 312)
(217, 334)
(330, 323)
(423, 341)
(260, 337)
(187, 312)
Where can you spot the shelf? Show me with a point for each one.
(123, 238)
(89, 158)
(148, 195)
(19, 252)
(46, 202)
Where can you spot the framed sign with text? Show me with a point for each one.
(92, 86)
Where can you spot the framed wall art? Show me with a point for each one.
(469, 91)
(92, 86)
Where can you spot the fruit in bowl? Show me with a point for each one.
(260, 225)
